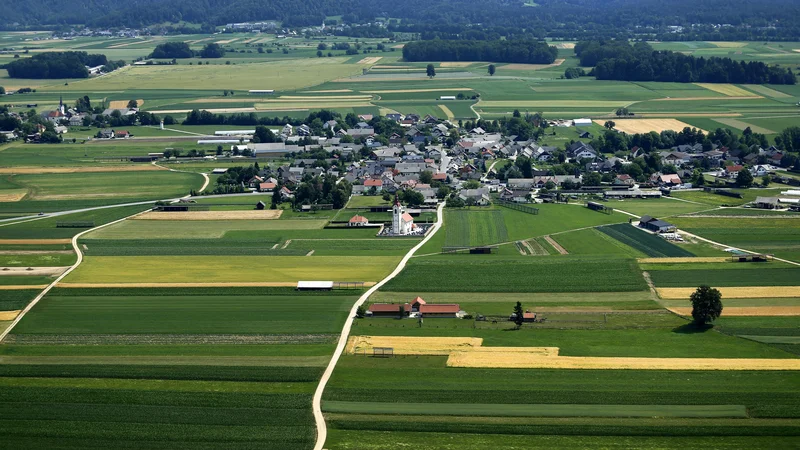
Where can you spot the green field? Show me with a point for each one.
(566, 274)
(467, 228)
(649, 244)
(231, 269)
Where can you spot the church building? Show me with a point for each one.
(402, 222)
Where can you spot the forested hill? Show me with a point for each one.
(773, 19)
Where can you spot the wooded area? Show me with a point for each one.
(56, 65)
(516, 51)
(618, 60)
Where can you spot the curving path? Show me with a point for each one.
(322, 428)
(61, 277)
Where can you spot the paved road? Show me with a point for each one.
(322, 428)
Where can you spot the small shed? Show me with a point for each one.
(655, 225)
(260, 205)
(315, 285)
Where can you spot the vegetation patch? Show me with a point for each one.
(649, 244)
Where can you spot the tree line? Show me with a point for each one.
(59, 65)
(618, 60)
(521, 51)
(181, 50)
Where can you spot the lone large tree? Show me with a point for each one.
(430, 70)
(518, 314)
(492, 69)
(706, 305)
(744, 179)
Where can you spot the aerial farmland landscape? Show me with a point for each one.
(437, 225)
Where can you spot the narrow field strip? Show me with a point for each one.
(634, 126)
(734, 292)
(773, 339)
(9, 315)
(88, 169)
(20, 287)
(556, 245)
(181, 285)
(763, 90)
(169, 339)
(738, 124)
(517, 360)
(35, 271)
(709, 259)
(265, 361)
(741, 311)
(407, 345)
(535, 410)
(266, 214)
(726, 89)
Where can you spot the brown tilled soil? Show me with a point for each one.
(265, 214)
(556, 245)
(39, 271)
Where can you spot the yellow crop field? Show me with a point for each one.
(447, 112)
(266, 214)
(122, 104)
(410, 91)
(517, 360)
(9, 315)
(277, 75)
(14, 195)
(407, 345)
(728, 44)
(763, 90)
(230, 269)
(727, 89)
(634, 126)
(735, 292)
(177, 285)
(456, 64)
(737, 311)
(20, 287)
(370, 60)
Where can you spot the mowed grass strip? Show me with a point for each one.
(159, 229)
(534, 410)
(696, 276)
(564, 274)
(474, 228)
(753, 292)
(231, 269)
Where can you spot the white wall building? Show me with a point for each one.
(402, 222)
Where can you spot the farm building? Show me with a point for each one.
(582, 122)
(655, 225)
(261, 91)
(219, 171)
(766, 202)
(358, 221)
(235, 133)
(447, 97)
(417, 305)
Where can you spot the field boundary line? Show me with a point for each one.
(60, 277)
(718, 244)
(319, 419)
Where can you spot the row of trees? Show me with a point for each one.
(181, 50)
(618, 60)
(59, 65)
(513, 51)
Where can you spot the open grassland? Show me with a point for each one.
(44, 259)
(474, 228)
(649, 244)
(141, 313)
(211, 229)
(232, 269)
(777, 235)
(265, 214)
(660, 208)
(566, 274)
(278, 75)
(46, 228)
(593, 242)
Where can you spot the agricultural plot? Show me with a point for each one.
(662, 207)
(467, 228)
(594, 242)
(232, 269)
(212, 229)
(33, 231)
(566, 274)
(649, 244)
(694, 276)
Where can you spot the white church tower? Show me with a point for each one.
(402, 222)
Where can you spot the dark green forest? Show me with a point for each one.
(57, 65)
(619, 60)
(567, 19)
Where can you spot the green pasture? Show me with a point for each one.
(231, 269)
(649, 244)
(661, 208)
(14, 300)
(38, 260)
(697, 276)
(190, 314)
(468, 273)
(474, 228)
(200, 229)
(594, 242)
(47, 227)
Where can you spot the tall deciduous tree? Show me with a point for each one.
(706, 305)
(492, 69)
(430, 71)
(744, 179)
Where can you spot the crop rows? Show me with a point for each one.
(728, 277)
(535, 275)
(164, 372)
(649, 244)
